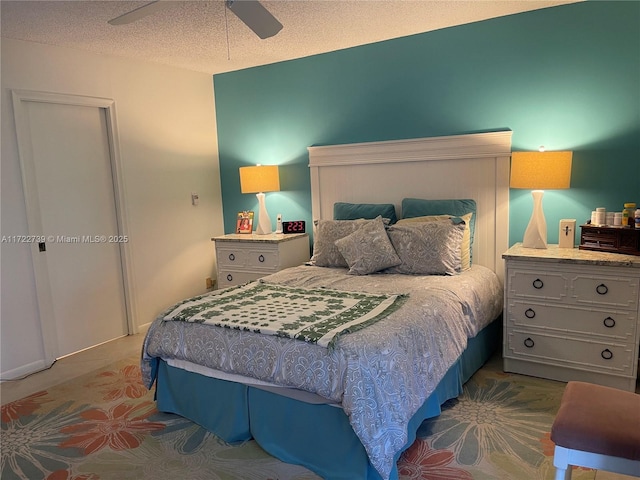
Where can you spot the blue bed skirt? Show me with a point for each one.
(318, 437)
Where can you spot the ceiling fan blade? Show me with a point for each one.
(140, 12)
(256, 17)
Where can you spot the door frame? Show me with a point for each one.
(34, 218)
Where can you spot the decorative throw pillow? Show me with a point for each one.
(418, 207)
(353, 211)
(465, 246)
(427, 248)
(325, 252)
(368, 249)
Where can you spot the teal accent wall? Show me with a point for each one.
(566, 77)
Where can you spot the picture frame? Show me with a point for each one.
(244, 222)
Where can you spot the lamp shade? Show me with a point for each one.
(261, 178)
(541, 170)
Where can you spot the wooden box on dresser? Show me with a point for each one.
(572, 314)
(245, 257)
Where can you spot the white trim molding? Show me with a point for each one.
(475, 145)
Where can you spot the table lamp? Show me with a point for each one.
(258, 180)
(539, 171)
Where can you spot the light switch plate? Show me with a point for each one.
(567, 233)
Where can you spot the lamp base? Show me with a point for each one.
(264, 222)
(535, 236)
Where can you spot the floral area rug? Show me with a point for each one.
(104, 426)
(497, 429)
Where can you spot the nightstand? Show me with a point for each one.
(572, 314)
(242, 257)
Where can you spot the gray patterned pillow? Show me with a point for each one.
(427, 248)
(325, 252)
(465, 246)
(368, 249)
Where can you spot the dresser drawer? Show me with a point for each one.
(248, 258)
(541, 285)
(231, 257)
(591, 355)
(263, 259)
(229, 278)
(615, 324)
(602, 290)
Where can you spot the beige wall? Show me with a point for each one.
(168, 149)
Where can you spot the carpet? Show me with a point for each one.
(104, 426)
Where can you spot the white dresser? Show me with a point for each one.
(242, 257)
(572, 314)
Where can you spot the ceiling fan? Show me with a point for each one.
(251, 12)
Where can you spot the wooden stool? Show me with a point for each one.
(597, 427)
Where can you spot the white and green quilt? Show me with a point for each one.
(314, 315)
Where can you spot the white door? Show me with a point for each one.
(69, 187)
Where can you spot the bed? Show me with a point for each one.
(348, 404)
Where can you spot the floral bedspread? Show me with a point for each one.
(380, 375)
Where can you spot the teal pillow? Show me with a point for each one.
(354, 211)
(417, 207)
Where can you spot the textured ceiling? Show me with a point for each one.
(204, 36)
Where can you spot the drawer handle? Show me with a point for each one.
(261, 258)
(602, 289)
(607, 354)
(529, 313)
(232, 257)
(538, 284)
(609, 322)
(529, 343)
(229, 277)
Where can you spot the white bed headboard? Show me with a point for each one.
(461, 166)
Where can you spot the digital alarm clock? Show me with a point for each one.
(295, 226)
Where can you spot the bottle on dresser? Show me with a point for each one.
(628, 215)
